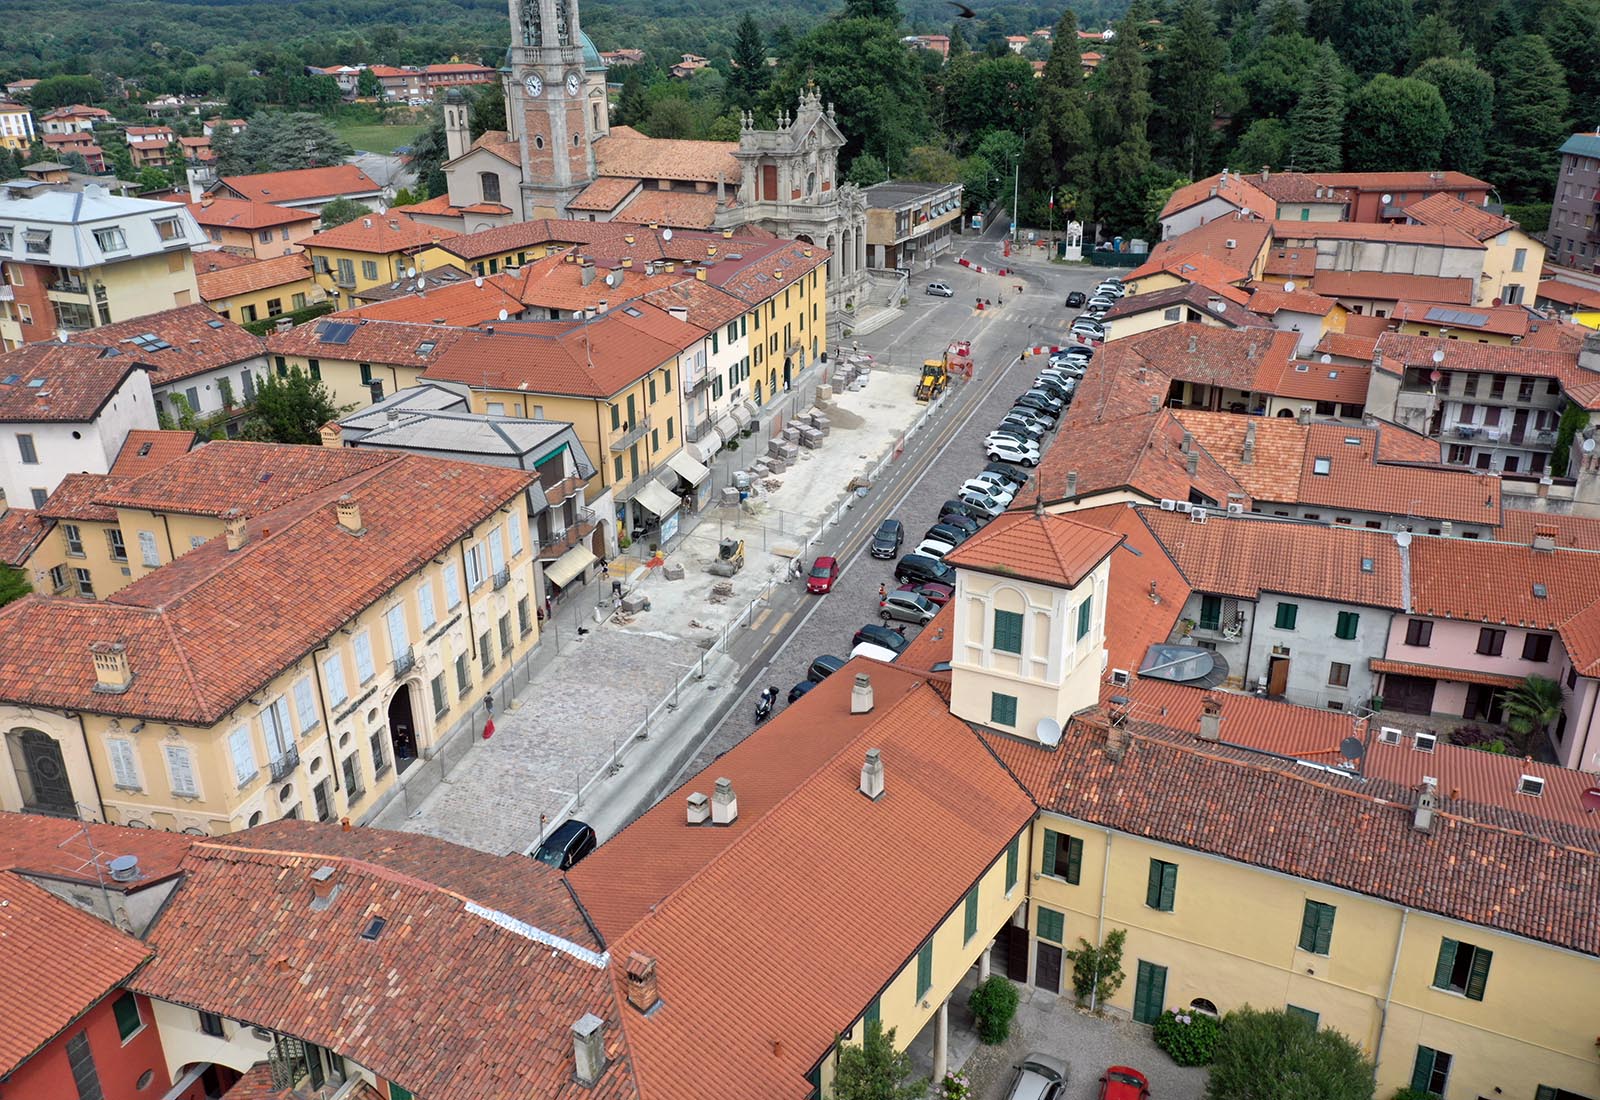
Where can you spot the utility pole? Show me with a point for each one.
(1016, 177)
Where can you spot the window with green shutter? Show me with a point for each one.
(398, 1093)
(1431, 1071)
(1462, 968)
(126, 1009)
(924, 969)
(1052, 925)
(1002, 709)
(1287, 612)
(1298, 1013)
(1085, 617)
(969, 922)
(1149, 992)
(1346, 627)
(1008, 631)
(1210, 612)
(1063, 856)
(1163, 885)
(1013, 851)
(873, 1017)
(1316, 927)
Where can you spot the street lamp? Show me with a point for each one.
(1016, 176)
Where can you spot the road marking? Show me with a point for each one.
(761, 618)
(783, 621)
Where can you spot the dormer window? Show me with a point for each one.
(111, 239)
(169, 229)
(38, 241)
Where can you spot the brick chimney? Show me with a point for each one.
(861, 694)
(323, 888)
(642, 993)
(588, 1049)
(233, 529)
(724, 804)
(112, 674)
(1248, 455)
(872, 775)
(349, 514)
(1194, 463)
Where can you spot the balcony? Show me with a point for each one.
(1543, 435)
(285, 764)
(632, 435)
(501, 579)
(67, 286)
(406, 660)
(557, 543)
(568, 486)
(694, 433)
(1466, 431)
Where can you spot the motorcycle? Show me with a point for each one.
(765, 703)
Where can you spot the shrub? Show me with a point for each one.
(994, 1004)
(1409, 1093)
(1190, 1038)
(1097, 971)
(955, 1086)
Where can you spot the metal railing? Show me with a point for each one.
(501, 579)
(632, 435)
(561, 490)
(66, 286)
(406, 660)
(286, 763)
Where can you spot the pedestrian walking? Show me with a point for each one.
(883, 593)
(616, 592)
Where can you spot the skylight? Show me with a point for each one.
(374, 928)
(1539, 591)
(1322, 466)
(1366, 565)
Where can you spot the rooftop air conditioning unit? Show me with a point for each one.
(1120, 677)
(1182, 505)
(1197, 515)
(1236, 509)
(1230, 243)
(1168, 505)
(1389, 735)
(1426, 742)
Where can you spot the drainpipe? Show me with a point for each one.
(1588, 719)
(1383, 1010)
(472, 627)
(1100, 924)
(327, 719)
(94, 777)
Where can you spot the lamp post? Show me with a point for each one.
(1016, 177)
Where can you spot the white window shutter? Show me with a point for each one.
(244, 754)
(364, 667)
(399, 641)
(180, 767)
(123, 768)
(514, 529)
(333, 673)
(305, 706)
(425, 603)
(147, 548)
(474, 567)
(497, 552)
(452, 586)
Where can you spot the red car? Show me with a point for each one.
(824, 571)
(1124, 1083)
(932, 591)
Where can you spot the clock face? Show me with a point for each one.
(534, 84)
(573, 83)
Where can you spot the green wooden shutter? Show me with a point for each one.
(1052, 925)
(1210, 612)
(1150, 992)
(1051, 839)
(1545, 1092)
(1074, 860)
(873, 1016)
(1316, 927)
(1446, 963)
(398, 1093)
(1008, 631)
(970, 918)
(1308, 927)
(1480, 973)
(1152, 890)
(1422, 1069)
(1287, 613)
(1169, 885)
(924, 969)
(1305, 1014)
(1085, 615)
(1011, 863)
(1324, 928)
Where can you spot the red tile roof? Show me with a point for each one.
(1146, 592)
(1567, 294)
(1249, 237)
(1395, 352)
(464, 304)
(677, 209)
(1493, 582)
(709, 307)
(391, 343)
(53, 382)
(1055, 550)
(85, 958)
(604, 194)
(1435, 672)
(81, 852)
(440, 206)
(1497, 320)
(147, 450)
(1356, 480)
(1314, 381)
(1579, 532)
(252, 477)
(77, 496)
(1297, 262)
(1277, 299)
(1239, 191)
(1249, 359)
(251, 276)
(1445, 209)
(301, 184)
(1218, 305)
(1301, 187)
(1192, 267)
(1382, 286)
(379, 234)
(1402, 181)
(618, 154)
(1441, 236)
(21, 532)
(198, 340)
(531, 234)
(1278, 454)
(225, 213)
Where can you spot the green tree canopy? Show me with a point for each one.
(1186, 88)
(1403, 121)
(866, 170)
(277, 142)
(342, 210)
(1434, 36)
(63, 91)
(1119, 112)
(429, 151)
(367, 84)
(488, 110)
(875, 1070)
(1530, 119)
(631, 104)
(670, 118)
(1572, 29)
(1060, 150)
(1468, 94)
(1266, 141)
(1316, 125)
(1276, 1056)
(290, 408)
(748, 76)
(1276, 74)
(13, 584)
(993, 94)
(1374, 36)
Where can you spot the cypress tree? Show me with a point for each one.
(1316, 124)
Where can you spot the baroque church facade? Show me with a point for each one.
(560, 157)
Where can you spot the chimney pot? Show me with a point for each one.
(349, 514)
(699, 808)
(589, 1048)
(724, 803)
(1544, 539)
(1072, 483)
(112, 674)
(1211, 719)
(861, 694)
(233, 528)
(872, 775)
(1194, 463)
(323, 888)
(1427, 803)
(642, 993)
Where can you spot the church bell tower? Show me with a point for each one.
(547, 96)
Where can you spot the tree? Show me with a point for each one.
(1574, 418)
(245, 95)
(177, 163)
(670, 118)
(290, 408)
(1573, 31)
(1118, 116)
(1279, 17)
(1434, 36)
(875, 1070)
(151, 178)
(1530, 119)
(1316, 125)
(1276, 1056)
(1403, 121)
(631, 104)
(993, 94)
(1468, 94)
(1532, 707)
(275, 142)
(886, 10)
(1323, 18)
(1097, 972)
(866, 170)
(1061, 152)
(932, 164)
(748, 77)
(1375, 35)
(1275, 75)
(63, 91)
(343, 210)
(368, 86)
(429, 151)
(10, 167)
(488, 110)
(13, 584)
(1186, 86)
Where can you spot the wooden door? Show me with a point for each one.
(1016, 942)
(1047, 967)
(1278, 676)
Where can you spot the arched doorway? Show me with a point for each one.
(41, 773)
(402, 729)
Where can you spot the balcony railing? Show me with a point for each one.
(501, 579)
(694, 433)
(557, 543)
(563, 489)
(405, 661)
(284, 764)
(632, 435)
(67, 286)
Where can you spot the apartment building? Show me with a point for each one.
(361, 360)
(909, 225)
(1574, 240)
(74, 119)
(16, 127)
(257, 290)
(260, 230)
(368, 252)
(150, 146)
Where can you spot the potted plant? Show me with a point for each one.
(1186, 627)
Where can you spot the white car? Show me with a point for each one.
(1110, 290)
(940, 290)
(876, 652)
(1005, 450)
(933, 548)
(985, 487)
(1009, 436)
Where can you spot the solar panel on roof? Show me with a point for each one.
(1456, 317)
(337, 332)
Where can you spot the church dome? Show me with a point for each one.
(591, 56)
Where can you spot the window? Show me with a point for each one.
(1519, 259)
(489, 186)
(485, 652)
(351, 767)
(1419, 632)
(924, 969)
(1338, 674)
(1013, 852)
(119, 551)
(399, 636)
(969, 918)
(168, 229)
(180, 771)
(1462, 968)
(474, 558)
(1305, 1014)
(524, 616)
(298, 300)
(1536, 647)
(1002, 709)
(505, 633)
(1008, 631)
(1316, 927)
(305, 706)
(463, 676)
(148, 554)
(1346, 626)
(1287, 612)
(441, 701)
(1063, 856)
(452, 587)
(369, 270)
(211, 1024)
(274, 306)
(333, 675)
(1322, 466)
(380, 760)
(364, 667)
(1085, 617)
(85, 581)
(124, 769)
(243, 751)
(30, 456)
(1052, 925)
(1162, 885)
(1149, 992)
(74, 539)
(1210, 612)
(275, 721)
(514, 533)
(1491, 641)
(1431, 1071)
(81, 1060)
(346, 272)
(126, 1009)
(497, 553)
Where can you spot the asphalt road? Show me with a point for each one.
(927, 474)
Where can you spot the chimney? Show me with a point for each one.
(589, 1049)
(1072, 484)
(588, 272)
(112, 676)
(724, 803)
(1265, 173)
(727, 234)
(1427, 802)
(699, 808)
(602, 305)
(642, 980)
(1116, 741)
(1187, 446)
(323, 888)
(1155, 403)
(233, 528)
(283, 326)
(1211, 719)
(861, 694)
(392, 415)
(1248, 455)
(1194, 463)
(1305, 414)
(1194, 343)
(1544, 539)
(627, 261)
(395, 224)
(349, 514)
(628, 237)
(699, 273)
(872, 775)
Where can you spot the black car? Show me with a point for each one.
(1054, 386)
(823, 667)
(1075, 299)
(1017, 477)
(965, 524)
(570, 842)
(800, 689)
(1047, 406)
(887, 637)
(887, 538)
(922, 569)
(946, 532)
(962, 508)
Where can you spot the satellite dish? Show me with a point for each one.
(666, 234)
(1588, 446)
(1590, 799)
(421, 284)
(1049, 732)
(478, 282)
(1325, 358)
(1402, 539)
(1352, 749)
(1387, 199)
(1288, 287)
(504, 315)
(411, 273)
(611, 278)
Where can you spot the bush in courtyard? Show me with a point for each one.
(994, 1004)
(1190, 1038)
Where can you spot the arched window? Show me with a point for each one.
(594, 112)
(489, 185)
(1200, 1004)
(811, 184)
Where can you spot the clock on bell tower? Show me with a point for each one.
(546, 98)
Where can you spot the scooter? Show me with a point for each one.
(765, 703)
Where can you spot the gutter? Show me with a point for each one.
(1394, 967)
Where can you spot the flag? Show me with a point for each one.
(1052, 200)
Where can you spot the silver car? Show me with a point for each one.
(1039, 1077)
(907, 607)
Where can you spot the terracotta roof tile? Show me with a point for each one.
(220, 259)
(1299, 187)
(77, 851)
(1493, 582)
(21, 532)
(678, 209)
(1356, 480)
(1053, 549)
(604, 194)
(1398, 352)
(252, 477)
(77, 498)
(1295, 262)
(1346, 345)
(1231, 187)
(666, 159)
(1250, 359)
(380, 233)
(1275, 299)
(1220, 306)
(1498, 320)
(1569, 295)
(226, 213)
(1402, 181)
(1273, 474)
(1442, 236)
(218, 286)
(1146, 593)
(463, 304)
(1444, 209)
(1314, 381)
(147, 450)
(301, 184)
(1435, 672)
(1577, 532)
(53, 382)
(530, 234)
(1249, 235)
(198, 341)
(392, 343)
(710, 307)
(1383, 286)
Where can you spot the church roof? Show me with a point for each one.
(666, 158)
(592, 61)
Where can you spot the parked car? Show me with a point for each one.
(921, 569)
(1016, 477)
(887, 538)
(1103, 299)
(1026, 418)
(798, 692)
(887, 637)
(947, 532)
(1088, 326)
(934, 548)
(1019, 435)
(1009, 450)
(1003, 484)
(962, 508)
(1061, 387)
(1044, 409)
(960, 519)
(824, 571)
(823, 667)
(1039, 1077)
(1124, 1083)
(1075, 299)
(907, 607)
(991, 506)
(988, 487)
(567, 844)
(939, 289)
(876, 652)
(1053, 402)
(1112, 288)
(934, 593)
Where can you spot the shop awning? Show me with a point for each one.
(656, 498)
(561, 571)
(744, 412)
(706, 448)
(684, 465)
(727, 426)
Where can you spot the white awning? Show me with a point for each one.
(657, 498)
(706, 448)
(727, 427)
(684, 465)
(561, 571)
(745, 412)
